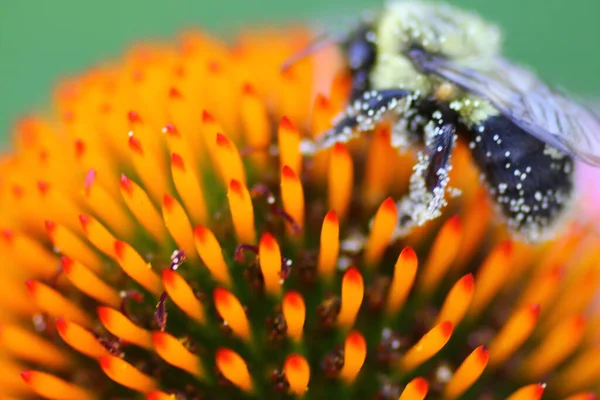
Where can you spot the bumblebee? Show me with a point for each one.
(437, 72)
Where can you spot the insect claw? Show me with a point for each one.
(404, 225)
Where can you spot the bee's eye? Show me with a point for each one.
(360, 52)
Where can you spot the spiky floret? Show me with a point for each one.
(175, 243)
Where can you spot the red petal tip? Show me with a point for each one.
(119, 249)
(168, 202)
(177, 161)
(207, 117)
(446, 327)
(171, 130)
(288, 172)
(133, 117)
(286, 123)
(67, 264)
(26, 375)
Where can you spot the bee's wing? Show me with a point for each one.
(521, 96)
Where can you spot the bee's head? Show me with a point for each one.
(360, 52)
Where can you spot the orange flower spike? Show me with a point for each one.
(158, 395)
(184, 120)
(53, 157)
(330, 245)
(467, 373)
(182, 295)
(355, 353)
(294, 313)
(211, 254)
(576, 298)
(340, 89)
(229, 159)
(210, 127)
(297, 373)
(288, 138)
(179, 144)
(49, 386)
(98, 235)
(93, 157)
(582, 372)
(148, 168)
(142, 208)
(28, 253)
(234, 368)
(80, 339)
(54, 304)
(11, 380)
(443, 252)
(429, 345)
(543, 287)
(137, 268)
(119, 325)
(293, 102)
(88, 283)
(529, 392)
(515, 331)
(256, 125)
(491, 276)
(28, 346)
(242, 212)
(377, 179)
(383, 227)
(415, 390)
(150, 81)
(560, 343)
(114, 127)
(23, 206)
(476, 216)
(189, 189)
(353, 290)
(72, 246)
(458, 300)
(232, 312)
(292, 196)
(582, 396)
(178, 225)
(126, 374)
(220, 82)
(59, 207)
(561, 252)
(341, 178)
(151, 139)
(593, 326)
(106, 207)
(172, 351)
(14, 297)
(405, 272)
(269, 256)
(322, 115)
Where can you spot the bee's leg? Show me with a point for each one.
(360, 116)
(429, 181)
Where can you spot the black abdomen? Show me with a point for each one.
(531, 182)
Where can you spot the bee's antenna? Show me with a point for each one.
(320, 42)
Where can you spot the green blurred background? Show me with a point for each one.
(42, 40)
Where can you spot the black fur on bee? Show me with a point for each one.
(531, 182)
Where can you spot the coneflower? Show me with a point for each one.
(163, 237)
